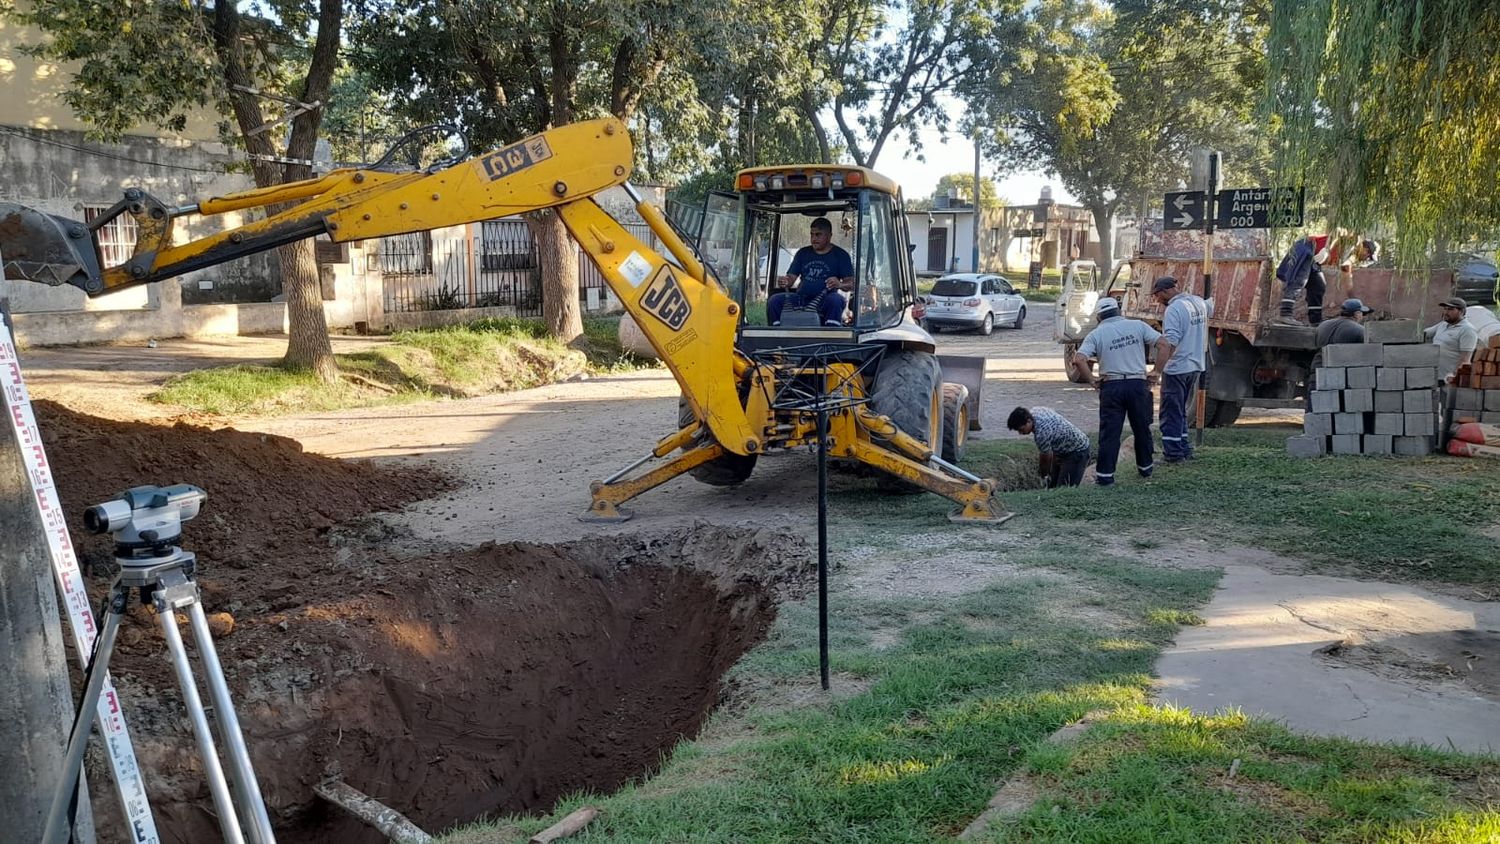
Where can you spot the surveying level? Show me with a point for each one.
(145, 522)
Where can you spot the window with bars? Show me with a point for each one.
(117, 238)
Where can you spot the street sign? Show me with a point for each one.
(1184, 210)
(1260, 208)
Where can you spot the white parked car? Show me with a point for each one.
(973, 301)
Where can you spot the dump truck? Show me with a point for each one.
(1255, 362)
(748, 388)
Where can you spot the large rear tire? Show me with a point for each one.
(727, 470)
(909, 390)
(955, 422)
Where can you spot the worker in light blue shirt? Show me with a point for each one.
(1120, 346)
(1179, 362)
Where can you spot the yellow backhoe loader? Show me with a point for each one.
(748, 388)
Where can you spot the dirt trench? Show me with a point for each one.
(450, 685)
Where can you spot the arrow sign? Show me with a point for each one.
(1184, 210)
(1260, 208)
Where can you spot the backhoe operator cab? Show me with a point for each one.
(751, 236)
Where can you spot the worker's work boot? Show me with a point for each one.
(1286, 318)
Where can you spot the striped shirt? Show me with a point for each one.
(1052, 433)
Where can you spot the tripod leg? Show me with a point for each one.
(212, 771)
(83, 723)
(245, 783)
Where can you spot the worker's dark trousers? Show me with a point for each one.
(1119, 400)
(1176, 392)
(1067, 469)
(1316, 287)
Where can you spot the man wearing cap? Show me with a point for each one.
(1120, 345)
(1179, 360)
(1302, 267)
(1455, 337)
(1347, 327)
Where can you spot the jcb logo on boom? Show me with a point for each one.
(666, 301)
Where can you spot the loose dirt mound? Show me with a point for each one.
(449, 686)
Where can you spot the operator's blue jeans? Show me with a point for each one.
(830, 309)
(1176, 390)
(1119, 400)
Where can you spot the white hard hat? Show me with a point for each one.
(1107, 303)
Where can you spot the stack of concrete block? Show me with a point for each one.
(1372, 399)
(1483, 373)
(1474, 405)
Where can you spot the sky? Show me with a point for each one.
(918, 178)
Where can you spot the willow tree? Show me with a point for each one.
(1392, 109)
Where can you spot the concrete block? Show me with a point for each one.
(1421, 377)
(1377, 444)
(1317, 424)
(1390, 378)
(1412, 446)
(1420, 424)
(1490, 417)
(1326, 401)
(1332, 378)
(1359, 401)
(1393, 331)
(1492, 400)
(1418, 401)
(1348, 423)
(1468, 398)
(1344, 443)
(1388, 401)
(1359, 378)
(1393, 424)
(1305, 446)
(1354, 354)
(1417, 354)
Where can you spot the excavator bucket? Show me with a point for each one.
(968, 371)
(47, 249)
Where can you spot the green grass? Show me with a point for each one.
(1163, 775)
(1396, 518)
(488, 356)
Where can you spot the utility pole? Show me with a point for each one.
(36, 698)
(977, 194)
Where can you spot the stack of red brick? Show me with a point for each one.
(1484, 372)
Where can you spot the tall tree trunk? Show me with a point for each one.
(1104, 222)
(308, 348)
(558, 258)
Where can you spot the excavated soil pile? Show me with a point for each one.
(449, 686)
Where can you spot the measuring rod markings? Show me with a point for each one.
(111, 718)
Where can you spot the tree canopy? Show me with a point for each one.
(1392, 110)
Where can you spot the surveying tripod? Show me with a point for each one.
(163, 575)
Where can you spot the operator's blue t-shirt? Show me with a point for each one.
(814, 270)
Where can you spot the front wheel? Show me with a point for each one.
(1020, 319)
(955, 422)
(1218, 413)
(909, 390)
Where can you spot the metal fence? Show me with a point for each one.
(498, 268)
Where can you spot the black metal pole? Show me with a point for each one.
(823, 546)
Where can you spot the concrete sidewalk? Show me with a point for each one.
(1334, 656)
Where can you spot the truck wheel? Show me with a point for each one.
(1068, 351)
(728, 470)
(955, 422)
(1218, 413)
(909, 390)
